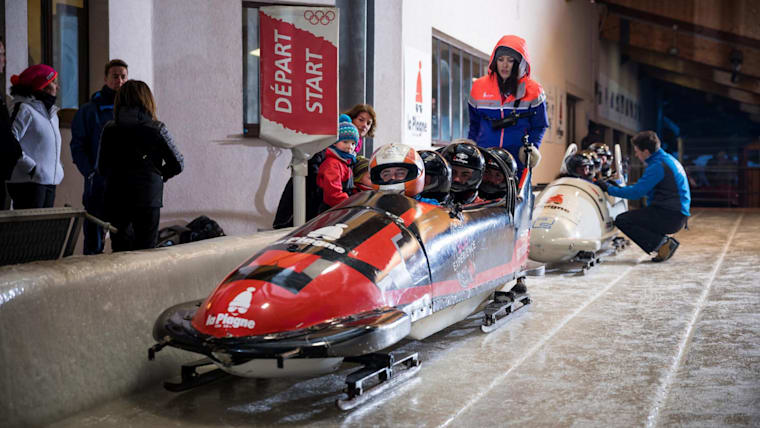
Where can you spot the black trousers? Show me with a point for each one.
(31, 195)
(648, 226)
(138, 227)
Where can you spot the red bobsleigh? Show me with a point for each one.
(354, 281)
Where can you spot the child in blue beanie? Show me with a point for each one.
(335, 176)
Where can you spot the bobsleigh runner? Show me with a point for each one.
(573, 221)
(355, 280)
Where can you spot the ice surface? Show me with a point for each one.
(631, 343)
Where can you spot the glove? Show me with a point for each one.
(535, 155)
(603, 185)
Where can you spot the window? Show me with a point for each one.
(57, 31)
(251, 100)
(454, 69)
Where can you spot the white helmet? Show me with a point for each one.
(397, 155)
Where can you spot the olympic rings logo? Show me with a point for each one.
(319, 16)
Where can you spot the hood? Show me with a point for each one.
(518, 44)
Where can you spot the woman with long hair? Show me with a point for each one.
(506, 104)
(365, 120)
(137, 155)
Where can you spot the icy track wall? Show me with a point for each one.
(76, 332)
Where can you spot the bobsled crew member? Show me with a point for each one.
(494, 185)
(666, 187)
(603, 153)
(437, 177)
(137, 156)
(335, 176)
(580, 165)
(399, 168)
(506, 103)
(467, 166)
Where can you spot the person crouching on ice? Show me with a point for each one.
(399, 168)
(666, 187)
(335, 176)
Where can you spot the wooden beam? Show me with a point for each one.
(681, 66)
(703, 85)
(697, 49)
(733, 21)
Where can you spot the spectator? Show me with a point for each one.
(362, 179)
(137, 155)
(10, 150)
(85, 140)
(364, 118)
(335, 176)
(666, 187)
(35, 126)
(507, 104)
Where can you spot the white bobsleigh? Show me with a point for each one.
(574, 218)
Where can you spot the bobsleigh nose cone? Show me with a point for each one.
(272, 299)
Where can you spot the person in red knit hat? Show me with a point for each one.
(34, 124)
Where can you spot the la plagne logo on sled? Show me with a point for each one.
(320, 238)
(239, 305)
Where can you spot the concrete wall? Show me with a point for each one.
(561, 37)
(74, 333)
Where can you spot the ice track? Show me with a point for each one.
(631, 343)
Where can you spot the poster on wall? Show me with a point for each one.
(299, 75)
(417, 114)
(616, 104)
(551, 110)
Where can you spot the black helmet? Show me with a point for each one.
(464, 153)
(600, 149)
(497, 159)
(505, 156)
(577, 162)
(437, 176)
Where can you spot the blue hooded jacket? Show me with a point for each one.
(664, 183)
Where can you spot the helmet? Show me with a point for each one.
(602, 149)
(575, 165)
(464, 153)
(596, 159)
(397, 155)
(437, 175)
(502, 161)
(505, 157)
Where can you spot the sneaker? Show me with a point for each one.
(666, 250)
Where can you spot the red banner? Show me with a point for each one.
(299, 74)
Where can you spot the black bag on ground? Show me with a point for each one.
(197, 230)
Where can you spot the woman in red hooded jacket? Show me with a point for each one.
(507, 104)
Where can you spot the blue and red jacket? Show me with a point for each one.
(486, 103)
(335, 177)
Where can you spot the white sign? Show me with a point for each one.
(616, 104)
(417, 114)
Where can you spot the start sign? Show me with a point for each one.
(299, 74)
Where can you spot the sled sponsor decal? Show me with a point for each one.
(328, 233)
(239, 305)
(543, 223)
(556, 199)
(321, 237)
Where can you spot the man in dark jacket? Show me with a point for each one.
(666, 187)
(85, 140)
(10, 149)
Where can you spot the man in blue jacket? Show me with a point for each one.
(85, 140)
(666, 187)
